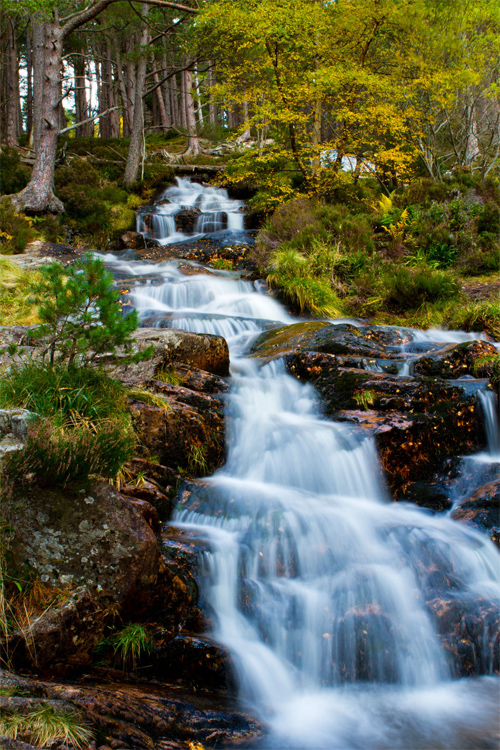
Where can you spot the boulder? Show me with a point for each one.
(132, 240)
(417, 422)
(172, 346)
(482, 510)
(456, 360)
(470, 634)
(95, 535)
(185, 221)
(190, 436)
(316, 336)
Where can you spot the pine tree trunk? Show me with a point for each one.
(212, 107)
(13, 89)
(193, 147)
(164, 120)
(38, 27)
(29, 82)
(38, 196)
(136, 138)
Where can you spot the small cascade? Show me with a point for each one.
(489, 405)
(212, 209)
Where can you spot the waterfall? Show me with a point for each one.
(316, 582)
(214, 212)
(489, 405)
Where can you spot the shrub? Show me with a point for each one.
(14, 176)
(15, 229)
(289, 273)
(407, 289)
(56, 455)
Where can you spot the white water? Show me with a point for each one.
(317, 582)
(489, 405)
(216, 212)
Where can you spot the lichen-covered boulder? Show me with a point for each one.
(93, 535)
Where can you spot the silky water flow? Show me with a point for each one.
(317, 582)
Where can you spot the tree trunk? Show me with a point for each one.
(165, 124)
(127, 125)
(193, 147)
(38, 27)
(131, 82)
(12, 90)
(81, 104)
(174, 98)
(29, 81)
(38, 196)
(212, 107)
(136, 138)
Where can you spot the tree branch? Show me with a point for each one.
(76, 20)
(89, 119)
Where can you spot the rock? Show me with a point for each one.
(342, 339)
(191, 436)
(154, 504)
(456, 360)
(63, 637)
(365, 647)
(482, 510)
(427, 495)
(470, 634)
(185, 221)
(95, 535)
(132, 240)
(196, 661)
(417, 422)
(14, 422)
(172, 346)
(128, 715)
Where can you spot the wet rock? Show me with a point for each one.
(365, 647)
(427, 495)
(417, 422)
(185, 221)
(129, 715)
(470, 634)
(199, 380)
(191, 436)
(342, 339)
(132, 240)
(196, 661)
(482, 510)
(456, 360)
(172, 346)
(94, 535)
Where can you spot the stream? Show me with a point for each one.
(315, 579)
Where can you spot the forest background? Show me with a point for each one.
(366, 134)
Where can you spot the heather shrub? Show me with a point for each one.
(14, 176)
(16, 230)
(407, 289)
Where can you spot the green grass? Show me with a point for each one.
(16, 307)
(130, 644)
(67, 395)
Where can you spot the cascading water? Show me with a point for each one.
(490, 408)
(214, 212)
(317, 583)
